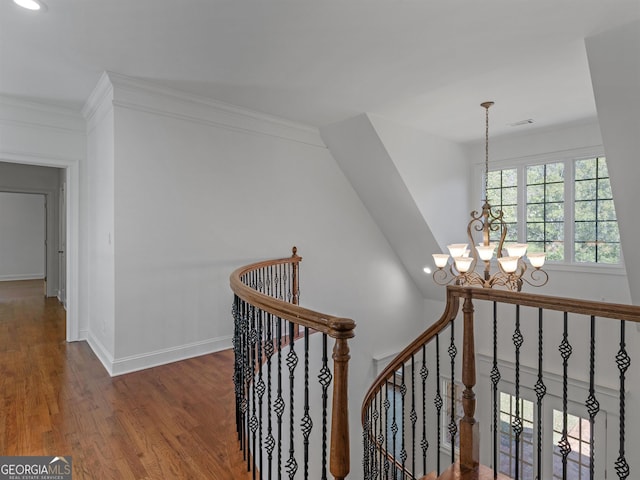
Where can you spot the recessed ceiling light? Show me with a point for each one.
(31, 4)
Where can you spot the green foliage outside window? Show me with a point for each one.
(596, 238)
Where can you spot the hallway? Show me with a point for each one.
(171, 422)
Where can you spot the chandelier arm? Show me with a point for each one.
(442, 277)
(537, 278)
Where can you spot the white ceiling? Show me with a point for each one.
(425, 63)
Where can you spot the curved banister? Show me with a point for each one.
(450, 312)
(246, 283)
(384, 434)
(335, 327)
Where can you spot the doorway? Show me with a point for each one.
(62, 224)
(23, 236)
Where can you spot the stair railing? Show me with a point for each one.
(268, 323)
(410, 414)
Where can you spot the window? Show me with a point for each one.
(545, 209)
(502, 192)
(579, 439)
(596, 228)
(507, 455)
(458, 388)
(559, 200)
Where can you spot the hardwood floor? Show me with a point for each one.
(171, 422)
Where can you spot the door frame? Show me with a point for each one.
(72, 174)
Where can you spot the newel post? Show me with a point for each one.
(339, 462)
(469, 427)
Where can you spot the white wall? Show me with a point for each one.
(432, 168)
(98, 219)
(200, 189)
(614, 62)
(22, 236)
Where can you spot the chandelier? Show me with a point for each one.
(512, 270)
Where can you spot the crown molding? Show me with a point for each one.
(142, 95)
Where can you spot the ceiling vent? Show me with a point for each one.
(522, 122)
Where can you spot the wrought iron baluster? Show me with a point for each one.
(253, 422)
(279, 404)
(518, 340)
(365, 443)
(541, 390)
(403, 450)
(325, 380)
(438, 402)
(565, 352)
(387, 404)
(495, 379)
(453, 428)
(413, 415)
(307, 423)
(623, 361)
(381, 436)
(260, 387)
(373, 440)
(394, 429)
(269, 349)
(592, 404)
(292, 360)
(424, 374)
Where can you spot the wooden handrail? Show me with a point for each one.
(450, 312)
(338, 328)
(469, 431)
(335, 327)
(616, 311)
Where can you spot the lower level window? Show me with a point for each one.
(510, 411)
(579, 439)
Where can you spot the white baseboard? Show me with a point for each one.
(143, 361)
(21, 276)
(101, 352)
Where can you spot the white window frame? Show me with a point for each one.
(569, 156)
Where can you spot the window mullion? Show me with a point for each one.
(522, 203)
(569, 209)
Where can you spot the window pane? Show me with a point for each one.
(554, 231)
(535, 193)
(585, 252)
(609, 253)
(535, 212)
(494, 179)
(606, 210)
(585, 169)
(535, 174)
(586, 190)
(535, 247)
(585, 231)
(555, 172)
(535, 231)
(585, 210)
(604, 189)
(555, 212)
(493, 196)
(608, 232)
(510, 177)
(603, 171)
(510, 196)
(555, 251)
(509, 213)
(554, 192)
